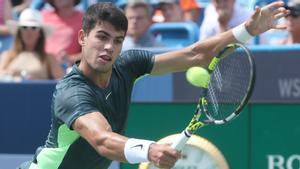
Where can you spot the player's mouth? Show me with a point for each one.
(104, 59)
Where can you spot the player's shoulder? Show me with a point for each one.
(133, 55)
(74, 81)
(134, 52)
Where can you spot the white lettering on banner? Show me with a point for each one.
(277, 161)
(289, 87)
(293, 160)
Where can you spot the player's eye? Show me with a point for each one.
(103, 37)
(118, 41)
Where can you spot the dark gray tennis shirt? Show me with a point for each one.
(75, 96)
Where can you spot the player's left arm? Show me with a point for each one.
(201, 52)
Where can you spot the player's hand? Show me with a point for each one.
(163, 156)
(264, 18)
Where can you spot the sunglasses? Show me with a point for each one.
(35, 28)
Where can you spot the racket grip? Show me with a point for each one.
(180, 141)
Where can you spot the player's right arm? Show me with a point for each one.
(94, 128)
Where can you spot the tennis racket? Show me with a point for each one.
(232, 76)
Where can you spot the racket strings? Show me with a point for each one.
(229, 85)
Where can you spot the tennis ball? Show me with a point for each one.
(198, 76)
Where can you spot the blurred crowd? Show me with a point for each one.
(38, 38)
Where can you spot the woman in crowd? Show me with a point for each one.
(27, 58)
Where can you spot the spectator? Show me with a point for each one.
(171, 11)
(139, 15)
(222, 15)
(191, 10)
(63, 43)
(5, 14)
(293, 23)
(27, 58)
(179, 10)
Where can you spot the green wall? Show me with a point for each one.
(261, 129)
(275, 130)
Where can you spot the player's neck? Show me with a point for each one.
(101, 79)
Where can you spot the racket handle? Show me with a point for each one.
(180, 141)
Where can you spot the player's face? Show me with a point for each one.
(101, 47)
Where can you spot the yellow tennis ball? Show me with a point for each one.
(198, 76)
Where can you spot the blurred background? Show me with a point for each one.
(265, 136)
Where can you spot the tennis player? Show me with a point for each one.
(90, 105)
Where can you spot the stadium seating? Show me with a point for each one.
(5, 43)
(176, 33)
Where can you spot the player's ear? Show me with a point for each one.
(81, 37)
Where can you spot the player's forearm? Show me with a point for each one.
(198, 54)
(116, 147)
(110, 145)
(205, 50)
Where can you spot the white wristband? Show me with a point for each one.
(241, 34)
(136, 150)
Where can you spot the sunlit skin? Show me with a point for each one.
(100, 49)
(30, 37)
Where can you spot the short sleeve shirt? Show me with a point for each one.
(75, 96)
(65, 37)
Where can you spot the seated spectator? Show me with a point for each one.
(27, 58)
(63, 43)
(191, 10)
(5, 14)
(178, 10)
(139, 15)
(222, 15)
(293, 23)
(171, 11)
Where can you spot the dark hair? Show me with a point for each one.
(106, 11)
(295, 10)
(19, 45)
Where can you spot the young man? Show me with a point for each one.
(91, 103)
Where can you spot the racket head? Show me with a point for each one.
(196, 152)
(231, 84)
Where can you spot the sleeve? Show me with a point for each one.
(73, 103)
(137, 62)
